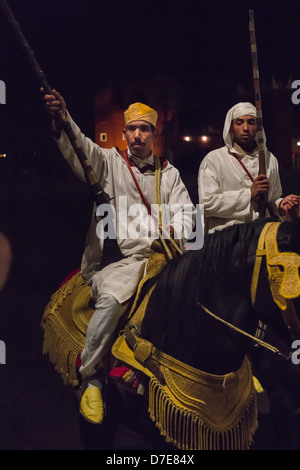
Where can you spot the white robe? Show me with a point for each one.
(224, 187)
(223, 184)
(120, 279)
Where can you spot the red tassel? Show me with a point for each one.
(78, 362)
(118, 371)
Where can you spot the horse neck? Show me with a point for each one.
(180, 328)
(223, 347)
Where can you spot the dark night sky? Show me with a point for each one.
(81, 44)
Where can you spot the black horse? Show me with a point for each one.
(177, 322)
(219, 277)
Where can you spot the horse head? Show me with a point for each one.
(278, 255)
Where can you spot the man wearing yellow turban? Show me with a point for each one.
(140, 129)
(123, 175)
(228, 180)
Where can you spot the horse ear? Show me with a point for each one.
(296, 222)
(295, 234)
(288, 236)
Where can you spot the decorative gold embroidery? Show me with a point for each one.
(193, 409)
(202, 411)
(284, 284)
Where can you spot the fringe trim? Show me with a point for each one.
(187, 431)
(62, 352)
(60, 345)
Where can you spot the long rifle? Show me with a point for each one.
(111, 251)
(260, 134)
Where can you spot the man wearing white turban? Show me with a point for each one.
(122, 174)
(228, 181)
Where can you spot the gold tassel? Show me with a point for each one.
(63, 342)
(186, 430)
(61, 353)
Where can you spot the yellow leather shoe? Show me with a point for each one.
(91, 405)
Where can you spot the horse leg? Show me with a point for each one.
(133, 428)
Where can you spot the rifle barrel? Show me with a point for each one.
(98, 193)
(257, 96)
(112, 252)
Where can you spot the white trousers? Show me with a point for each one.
(111, 288)
(99, 333)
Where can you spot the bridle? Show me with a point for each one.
(284, 283)
(284, 280)
(283, 274)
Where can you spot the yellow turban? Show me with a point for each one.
(140, 112)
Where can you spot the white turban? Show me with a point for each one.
(240, 109)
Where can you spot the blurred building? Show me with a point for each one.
(110, 105)
(186, 149)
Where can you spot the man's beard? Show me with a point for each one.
(247, 146)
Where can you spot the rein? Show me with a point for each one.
(253, 338)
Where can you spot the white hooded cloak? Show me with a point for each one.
(223, 184)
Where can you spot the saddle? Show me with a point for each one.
(66, 317)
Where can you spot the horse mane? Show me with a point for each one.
(189, 279)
